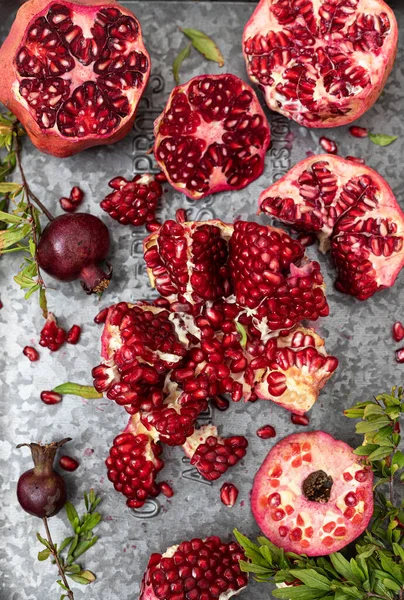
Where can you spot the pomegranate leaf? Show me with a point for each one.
(185, 52)
(205, 45)
(44, 554)
(243, 334)
(72, 514)
(75, 389)
(381, 139)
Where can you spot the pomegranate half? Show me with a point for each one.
(212, 136)
(74, 72)
(321, 63)
(312, 495)
(352, 210)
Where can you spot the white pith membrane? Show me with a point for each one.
(294, 522)
(205, 131)
(351, 209)
(321, 62)
(52, 80)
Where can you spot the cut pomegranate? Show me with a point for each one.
(68, 463)
(353, 206)
(52, 336)
(398, 331)
(73, 335)
(31, 353)
(359, 132)
(321, 64)
(228, 494)
(74, 72)
(312, 494)
(328, 145)
(195, 570)
(135, 201)
(266, 432)
(49, 397)
(212, 136)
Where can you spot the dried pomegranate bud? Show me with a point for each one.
(335, 502)
(68, 463)
(52, 336)
(201, 569)
(322, 64)
(74, 72)
(212, 136)
(31, 353)
(228, 494)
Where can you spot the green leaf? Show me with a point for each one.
(71, 513)
(74, 569)
(341, 565)
(205, 45)
(301, 592)
(10, 218)
(398, 459)
(44, 554)
(311, 578)
(368, 427)
(380, 453)
(381, 139)
(392, 585)
(83, 546)
(75, 389)
(365, 450)
(9, 237)
(185, 52)
(249, 567)
(84, 577)
(62, 585)
(65, 543)
(43, 541)
(43, 304)
(10, 188)
(243, 333)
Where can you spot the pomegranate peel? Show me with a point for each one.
(322, 65)
(354, 213)
(74, 72)
(312, 495)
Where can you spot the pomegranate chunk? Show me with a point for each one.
(322, 64)
(73, 73)
(212, 136)
(335, 503)
(355, 208)
(52, 336)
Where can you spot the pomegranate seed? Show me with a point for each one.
(266, 432)
(31, 353)
(228, 494)
(160, 177)
(67, 205)
(299, 419)
(68, 463)
(220, 402)
(398, 331)
(359, 132)
(153, 226)
(328, 145)
(400, 356)
(355, 159)
(76, 195)
(351, 499)
(1, 304)
(102, 316)
(307, 239)
(49, 397)
(73, 335)
(181, 215)
(166, 489)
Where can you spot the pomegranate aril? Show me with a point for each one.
(73, 335)
(306, 239)
(76, 195)
(31, 353)
(299, 419)
(49, 397)
(68, 463)
(400, 355)
(228, 494)
(328, 145)
(68, 205)
(398, 331)
(166, 489)
(101, 317)
(359, 132)
(220, 402)
(266, 431)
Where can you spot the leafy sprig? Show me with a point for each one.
(375, 568)
(65, 554)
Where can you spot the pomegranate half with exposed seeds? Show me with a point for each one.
(312, 494)
(353, 210)
(197, 570)
(321, 63)
(74, 72)
(212, 136)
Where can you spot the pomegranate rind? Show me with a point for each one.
(325, 104)
(209, 134)
(299, 526)
(51, 141)
(343, 220)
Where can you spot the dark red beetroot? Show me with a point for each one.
(72, 246)
(41, 491)
(312, 495)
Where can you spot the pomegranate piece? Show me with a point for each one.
(213, 455)
(212, 136)
(400, 356)
(228, 494)
(352, 209)
(73, 335)
(196, 570)
(266, 432)
(299, 419)
(74, 73)
(312, 495)
(134, 462)
(52, 336)
(398, 332)
(101, 317)
(71, 204)
(321, 64)
(49, 397)
(68, 463)
(31, 353)
(135, 201)
(359, 132)
(166, 489)
(328, 145)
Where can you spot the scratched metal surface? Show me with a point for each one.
(358, 333)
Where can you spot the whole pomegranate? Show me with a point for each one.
(72, 246)
(212, 136)
(74, 72)
(321, 64)
(198, 569)
(312, 495)
(41, 491)
(352, 210)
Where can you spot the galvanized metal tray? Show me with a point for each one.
(358, 333)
